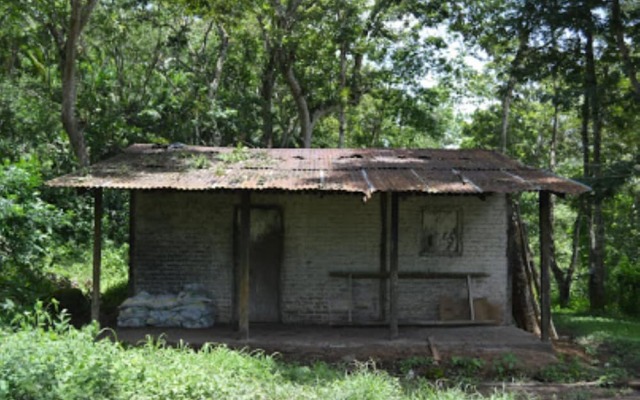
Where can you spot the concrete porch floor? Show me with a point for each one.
(344, 343)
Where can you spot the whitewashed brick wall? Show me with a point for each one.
(186, 237)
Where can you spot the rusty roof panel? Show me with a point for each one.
(364, 171)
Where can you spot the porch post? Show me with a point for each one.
(243, 295)
(393, 271)
(97, 253)
(132, 243)
(384, 256)
(545, 260)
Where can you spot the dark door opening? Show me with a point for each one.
(265, 259)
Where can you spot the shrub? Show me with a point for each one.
(43, 357)
(25, 231)
(46, 358)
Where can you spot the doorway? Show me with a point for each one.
(265, 260)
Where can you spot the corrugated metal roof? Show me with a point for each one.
(366, 171)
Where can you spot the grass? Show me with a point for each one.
(583, 325)
(66, 363)
(614, 343)
(78, 270)
(45, 358)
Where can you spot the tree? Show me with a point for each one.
(65, 26)
(618, 29)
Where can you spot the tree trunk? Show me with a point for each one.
(523, 299)
(266, 92)
(617, 25)
(558, 274)
(596, 230)
(506, 108)
(214, 85)
(267, 86)
(586, 163)
(564, 285)
(341, 94)
(531, 270)
(563, 278)
(304, 115)
(507, 98)
(79, 17)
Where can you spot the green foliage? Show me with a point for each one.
(26, 222)
(415, 363)
(113, 296)
(467, 369)
(199, 162)
(507, 366)
(43, 357)
(625, 284)
(567, 371)
(47, 359)
(238, 154)
(27, 230)
(75, 266)
(616, 340)
(424, 390)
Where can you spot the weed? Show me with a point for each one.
(506, 366)
(567, 370)
(44, 357)
(76, 268)
(465, 370)
(198, 161)
(237, 155)
(415, 363)
(614, 341)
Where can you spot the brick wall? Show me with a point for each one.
(184, 237)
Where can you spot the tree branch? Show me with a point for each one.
(77, 21)
(222, 57)
(298, 96)
(617, 25)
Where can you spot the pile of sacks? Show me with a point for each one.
(191, 308)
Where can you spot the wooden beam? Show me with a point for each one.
(545, 261)
(393, 270)
(422, 322)
(131, 289)
(435, 354)
(472, 311)
(97, 254)
(408, 275)
(243, 253)
(384, 257)
(350, 311)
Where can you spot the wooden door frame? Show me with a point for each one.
(236, 273)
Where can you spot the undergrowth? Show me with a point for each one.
(43, 357)
(613, 343)
(76, 267)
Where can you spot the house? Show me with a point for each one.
(324, 236)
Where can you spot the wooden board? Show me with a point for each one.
(458, 310)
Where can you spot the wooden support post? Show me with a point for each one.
(545, 260)
(384, 258)
(243, 252)
(131, 289)
(97, 254)
(393, 271)
(350, 311)
(472, 311)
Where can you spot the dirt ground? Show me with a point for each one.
(510, 357)
(343, 343)
(564, 348)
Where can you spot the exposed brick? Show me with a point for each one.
(186, 237)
